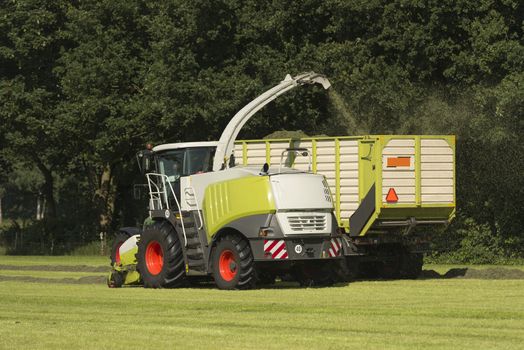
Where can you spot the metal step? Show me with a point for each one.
(196, 265)
(195, 253)
(193, 242)
(191, 233)
(187, 223)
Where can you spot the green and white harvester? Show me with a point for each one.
(240, 225)
(316, 210)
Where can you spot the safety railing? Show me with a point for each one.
(159, 197)
(293, 152)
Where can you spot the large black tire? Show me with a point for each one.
(160, 258)
(389, 266)
(233, 263)
(345, 270)
(315, 273)
(411, 265)
(120, 238)
(390, 270)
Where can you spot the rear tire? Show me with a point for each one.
(233, 263)
(160, 257)
(390, 270)
(411, 265)
(345, 270)
(390, 267)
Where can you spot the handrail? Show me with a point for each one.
(152, 198)
(164, 192)
(295, 151)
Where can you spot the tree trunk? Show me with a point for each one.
(105, 197)
(48, 190)
(1, 213)
(38, 208)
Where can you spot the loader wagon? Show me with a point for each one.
(387, 191)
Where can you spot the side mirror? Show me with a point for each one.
(145, 161)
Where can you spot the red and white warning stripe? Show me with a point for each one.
(276, 247)
(335, 247)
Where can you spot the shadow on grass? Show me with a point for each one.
(492, 273)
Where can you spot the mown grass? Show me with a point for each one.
(434, 314)
(50, 274)
(20, 260)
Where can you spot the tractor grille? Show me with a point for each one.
(307, 223)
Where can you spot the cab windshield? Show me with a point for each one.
(185, 161)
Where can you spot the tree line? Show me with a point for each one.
(84, 84)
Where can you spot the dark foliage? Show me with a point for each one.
(85, 84)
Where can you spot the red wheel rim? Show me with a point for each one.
(154, 257)
(117, 253)
(227, 265)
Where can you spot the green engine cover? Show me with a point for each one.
(234, 199)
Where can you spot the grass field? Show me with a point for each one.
(432, 313)
(54, 260)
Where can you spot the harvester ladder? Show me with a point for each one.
(196, 264)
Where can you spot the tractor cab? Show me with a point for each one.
(177, 159)
(183, 159)
(165, 164)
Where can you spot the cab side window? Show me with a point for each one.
(198, 160)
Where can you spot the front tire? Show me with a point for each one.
(160, 257)
(233, 263)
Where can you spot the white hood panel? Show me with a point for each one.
(301, 191)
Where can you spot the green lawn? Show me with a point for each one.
(50, 274)
(54, 260)
(421, 314)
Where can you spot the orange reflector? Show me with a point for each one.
(391, 197)
(399, 161)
